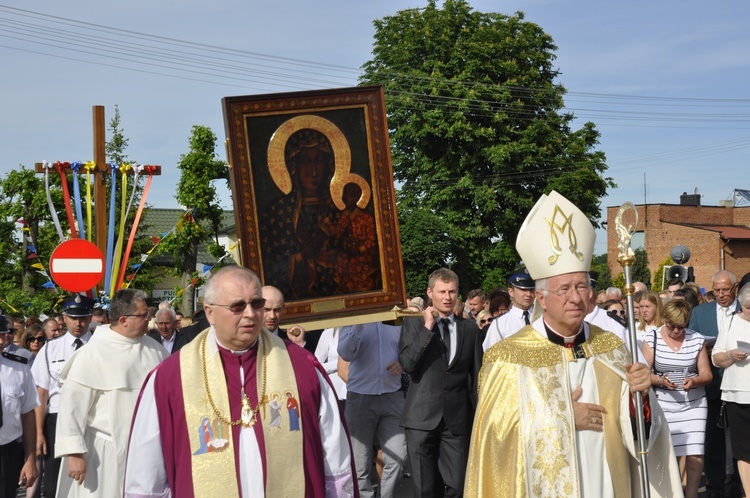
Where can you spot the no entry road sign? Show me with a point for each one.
(76, 265)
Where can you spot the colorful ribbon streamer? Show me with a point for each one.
(75, 166)
(124, 168)
(90, 166)
(111, 227)
(66, 197)
(150, 171)
(47, 166)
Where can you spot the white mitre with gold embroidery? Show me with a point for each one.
(555, 238)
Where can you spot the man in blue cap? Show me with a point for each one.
(46, 370)
(521, 290)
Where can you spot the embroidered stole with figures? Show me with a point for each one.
(213, 458)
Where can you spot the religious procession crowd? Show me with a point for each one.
(527, 391)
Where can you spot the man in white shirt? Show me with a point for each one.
(521, 290)
(46, 371)
(705, 319)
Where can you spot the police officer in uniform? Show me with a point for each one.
(521, 290)
(50, 360)
(18, 398)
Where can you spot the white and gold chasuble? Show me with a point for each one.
(524, 441)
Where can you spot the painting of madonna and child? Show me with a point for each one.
(313, 191)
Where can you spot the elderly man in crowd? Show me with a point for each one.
(553, 414)
(236, 412)
(166, 331)
(705, 319)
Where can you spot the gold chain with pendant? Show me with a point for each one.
(248, 414)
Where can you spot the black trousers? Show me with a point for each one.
(11, 463)
(715, 457)
(51, 464)
(438, 461)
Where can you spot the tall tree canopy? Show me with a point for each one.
(23, 197)
(477, 129)
(196, 191)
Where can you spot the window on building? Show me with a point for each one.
(638, 241)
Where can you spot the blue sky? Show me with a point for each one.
(664, 82)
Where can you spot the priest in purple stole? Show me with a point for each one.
(203, 427)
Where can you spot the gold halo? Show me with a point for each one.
(342, 155)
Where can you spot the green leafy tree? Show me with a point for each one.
(640, 271)
(24, 197)
(199, 168)
(147, 275)
(421, 250)
(116, 145)
(603, 275)
(619, 281)
(659, 274)
(477, 128)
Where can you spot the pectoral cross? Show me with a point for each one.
(246, 415)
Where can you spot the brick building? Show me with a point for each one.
(718, 236)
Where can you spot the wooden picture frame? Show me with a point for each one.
(314, 199)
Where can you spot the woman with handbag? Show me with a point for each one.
(730, 353)
(680, 370)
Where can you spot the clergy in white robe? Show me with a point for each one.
(238, 411)
(554, 409)
(100, 389)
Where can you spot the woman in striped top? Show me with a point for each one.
(680, 369)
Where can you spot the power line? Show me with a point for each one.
(128, 50)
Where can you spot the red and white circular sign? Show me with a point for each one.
(76, 265)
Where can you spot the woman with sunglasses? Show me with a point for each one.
(616, 310)
(679, 371)
(484, 319)
(33, 339)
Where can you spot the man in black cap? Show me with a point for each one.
(521, 290)
(6, 342)
(46, 369)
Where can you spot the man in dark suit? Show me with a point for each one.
(274, 310)
(705, 319)
(200, 323)
(442, 355)
(166, 331)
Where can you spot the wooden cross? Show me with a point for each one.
(100, 176)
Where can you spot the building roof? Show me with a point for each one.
(158, 221)
(729, 232)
